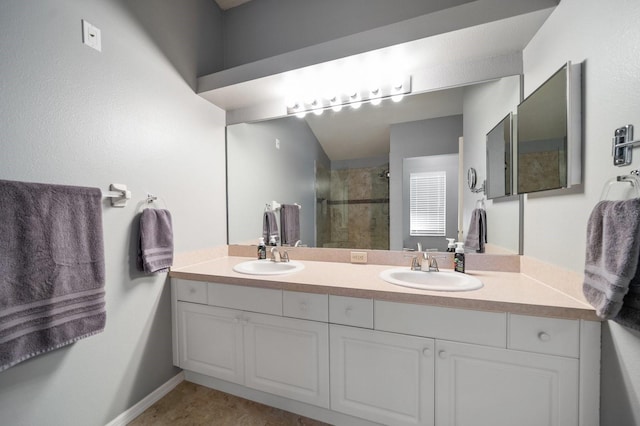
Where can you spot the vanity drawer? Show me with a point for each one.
(191, 291)
(544, 335)
(308, 306)
(353, 311)
(483, 328)
(254, 299)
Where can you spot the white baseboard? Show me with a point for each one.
(133, 412)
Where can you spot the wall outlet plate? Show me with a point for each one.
(91, 36)
(358, 257)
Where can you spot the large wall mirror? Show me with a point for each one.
(346, 168)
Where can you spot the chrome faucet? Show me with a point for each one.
(277, 256)
(424, 262)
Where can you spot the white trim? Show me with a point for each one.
(589, 405)
(129, 415)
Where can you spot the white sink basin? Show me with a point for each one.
(439, 281)
(267, 267)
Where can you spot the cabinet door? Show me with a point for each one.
(482, 386)
(383, 377)
(288, 357)
(210, 341)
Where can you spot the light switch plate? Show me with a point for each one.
(91, 36)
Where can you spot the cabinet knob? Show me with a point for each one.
(347, 311)
(545, 337)
(192, 290)
(426, 352)
(442, 354)
(303, 306)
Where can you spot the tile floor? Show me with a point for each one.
(191, 404)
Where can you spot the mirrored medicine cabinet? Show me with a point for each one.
(539, 147)
(500, 159)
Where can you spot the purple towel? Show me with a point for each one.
(155, 252)
(477, 234)
(612, 277)
(270, 227)
(51, 268)
(290, 223)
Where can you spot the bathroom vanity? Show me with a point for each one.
(337, 343)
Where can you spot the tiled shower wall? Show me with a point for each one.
(356, 212)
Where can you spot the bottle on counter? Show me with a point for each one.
(458, 257)
(451, 247)
(262, 249)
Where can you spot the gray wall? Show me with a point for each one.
(72, 115)
(416, 139)
(555, 226)
(259, 172)
(484, 106)
(265, 28)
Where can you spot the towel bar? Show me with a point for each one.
(118, 194)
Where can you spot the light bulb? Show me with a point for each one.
(336, 105)
(355, 101)
(374, 96)
(316, 107)
(396, 92)
(299, 109)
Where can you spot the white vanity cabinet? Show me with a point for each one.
(288, 357)
(347, 360)
(382, 377)
(211, 341)
(477, 385)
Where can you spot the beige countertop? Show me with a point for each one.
(512, 292)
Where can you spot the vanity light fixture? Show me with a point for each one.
(355, 98)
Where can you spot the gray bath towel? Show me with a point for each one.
(156, 241)
(51, 268)
(290, 223)
(269, 226)
(477, 234)
(611, 263)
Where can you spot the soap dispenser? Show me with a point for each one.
(262, 249)
(451, 247)
(458, 258)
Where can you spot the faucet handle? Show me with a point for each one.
(284, 257)
(433, 264)
(416, 264)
